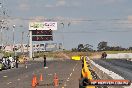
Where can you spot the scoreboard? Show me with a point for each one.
(42, 35)
(42, 38)
(41, 32)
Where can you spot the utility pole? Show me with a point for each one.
(1, 29)
(31, 46)
(22, 49)
(28, 44)
(14, 40)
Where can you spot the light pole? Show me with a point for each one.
(22, 49)
(1, 27)
(13, 39)
(28, 44)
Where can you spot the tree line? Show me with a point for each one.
(102, 46)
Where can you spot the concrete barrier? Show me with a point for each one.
(120, 55)
(107, 74)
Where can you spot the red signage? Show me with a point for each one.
(41, 32)
(42, 38)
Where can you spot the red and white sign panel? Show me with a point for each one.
(43, 26)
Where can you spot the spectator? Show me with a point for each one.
(11, 61)
(44, 60)
(16, 61)
(8, 62)
(104, 55)
(25, 61)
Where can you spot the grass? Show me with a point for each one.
(62, 54)
(115, 52)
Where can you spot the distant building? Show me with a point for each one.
(51, 47)
(36, 47)
(60, 46)
(8, 48)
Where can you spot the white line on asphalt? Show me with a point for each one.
(46, 67)
(50, 74)
(67, 80)
(75, 66)
(18, 79)
(73, 69)
(71, 74)
(65, 84)
(5, 76)
(9, 83)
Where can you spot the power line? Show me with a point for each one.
(88, 32)
(65, 20)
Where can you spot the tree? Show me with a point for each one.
(130, 48)
(80, 47)
(74, 49)
(102, 46)
(88, 47)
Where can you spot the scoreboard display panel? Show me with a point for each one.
(41, 32)
(42, 38)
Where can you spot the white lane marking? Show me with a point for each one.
(5, 76)
(50, 74)
(45, 67)
(75, 66)
(9, 83)
(71, 74)
(65, 84)
(18, 79)
(73, 69)
(67, 80)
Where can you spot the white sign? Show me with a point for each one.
(43, 26)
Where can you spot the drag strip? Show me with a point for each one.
(119, 66)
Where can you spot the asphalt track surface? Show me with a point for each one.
(119, 66)
(68, 73)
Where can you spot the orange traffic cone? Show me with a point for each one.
(41, 77)
(33, 82)
(56, 80)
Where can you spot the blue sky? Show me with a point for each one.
(98, 20)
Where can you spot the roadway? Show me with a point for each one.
(68, 72)
(119, 66)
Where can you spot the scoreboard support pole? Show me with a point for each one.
(31, 45)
